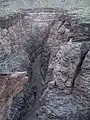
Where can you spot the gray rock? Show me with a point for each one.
(57, 66)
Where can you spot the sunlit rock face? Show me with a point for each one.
(10, 85)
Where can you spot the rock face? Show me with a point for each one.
(63, 98)
(54, 49)
(10, 85)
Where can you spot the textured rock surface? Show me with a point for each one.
(22, 41)
(10, 85)
(66, 90)
(54, 49)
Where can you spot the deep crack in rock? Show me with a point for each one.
(50, 47)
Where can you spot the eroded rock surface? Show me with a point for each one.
(66, 96)
(54, 49)
(10, 85)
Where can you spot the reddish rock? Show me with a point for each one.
(10, 85)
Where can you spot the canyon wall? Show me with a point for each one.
(53, 47)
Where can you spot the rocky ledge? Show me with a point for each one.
(54, 49)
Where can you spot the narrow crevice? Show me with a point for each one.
(84, 51)
(37, 70)
(62, 23)
(87, 39)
